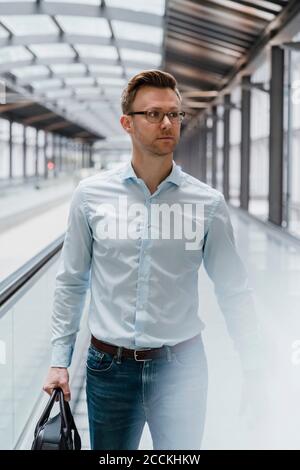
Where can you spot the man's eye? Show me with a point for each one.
(174, 114)
(153, 114)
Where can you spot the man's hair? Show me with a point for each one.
(154, 78)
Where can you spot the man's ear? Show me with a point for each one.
(126, 123)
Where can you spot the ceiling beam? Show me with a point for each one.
(204, 27)
(73, 9)
(200, 94)
(7, 66)
(58, 125)
(249, 10)
(200, 70)
(61, 86)
(54, 10)
(75, 39)
(39, 118)
(212, 52)
(273, 30)
(63, 76)
(10, 107)
(219, 16)
(195, 104)
(197, 38)
(50, 106)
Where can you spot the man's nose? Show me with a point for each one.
(166, 121)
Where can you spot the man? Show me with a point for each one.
(146, 361)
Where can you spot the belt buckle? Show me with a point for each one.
(136, 351)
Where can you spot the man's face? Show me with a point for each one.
(156, 138)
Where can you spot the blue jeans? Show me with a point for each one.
(168, 393)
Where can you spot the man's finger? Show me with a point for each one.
(66, 391)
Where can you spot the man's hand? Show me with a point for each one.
(58, 377)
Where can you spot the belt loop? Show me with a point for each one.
(119, 355)
(169, 353)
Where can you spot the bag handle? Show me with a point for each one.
(45, 415)
(68, 422)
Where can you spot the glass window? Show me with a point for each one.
(84, 2)
(87, 91)
(106, 69)
(46, 84)
(17, 149)
(17, 133)
(85, 25)
(41, 138)
(31, 135)
(53, 94)
(68, 69)
(41, 152)
(259, 158)
(111, 81)
(14, 54)
(112, 91)
(220, 145)
(32, 70)
(141, 56)
(27, 319)
(30, 151)
(34, 24)
(42, 51)
(235, 149)
(209, 125)
(294, 137)
(71, 104)
(4, 148)
(102, 52)
(155, 6)
(79, 81)
(4, 130)
(137, 32)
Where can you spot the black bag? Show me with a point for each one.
(56, 433)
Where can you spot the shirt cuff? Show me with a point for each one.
(61, 355)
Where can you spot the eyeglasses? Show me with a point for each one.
(157, 116)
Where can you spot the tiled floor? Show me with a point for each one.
(273, 264)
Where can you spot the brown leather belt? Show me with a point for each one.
(141, 354)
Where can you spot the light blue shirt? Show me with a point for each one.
(144, 286)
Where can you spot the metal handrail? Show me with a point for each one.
(15, 281)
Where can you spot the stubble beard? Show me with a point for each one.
(156, 150)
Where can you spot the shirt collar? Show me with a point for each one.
(174, 177)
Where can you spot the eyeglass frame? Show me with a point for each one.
(181, 115)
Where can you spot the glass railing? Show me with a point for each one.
(26, 299)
